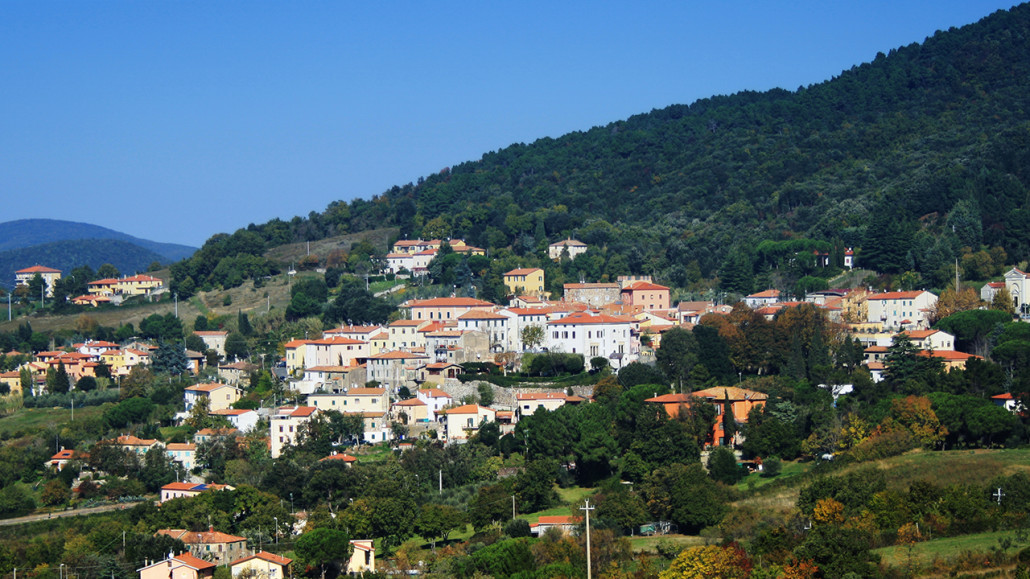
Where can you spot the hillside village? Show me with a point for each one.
(426, 375)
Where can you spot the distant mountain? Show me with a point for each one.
(129, 258)
(25, 233)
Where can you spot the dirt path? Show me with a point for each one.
(59, 514)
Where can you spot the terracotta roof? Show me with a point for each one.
(896, 295)
(211, 333)
(541, 396)
(876, 349)
(264, 556)
(524, 271)
(180, 486)
(129, 440)
(336, 341)
(208, 387)
(434, 393)
(181, 446)
(771, 293)
(296, 343)
(558, 519)
(63, 455)
(948, 355)
(340, 456)
(449, 302)
(919, 334)
(202, 537)
(734, 393)
(580, 318)
(571, 242)
(643, 285)
(410, 402)
(38, 269)
(466, 409)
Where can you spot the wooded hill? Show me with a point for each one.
(908, 158)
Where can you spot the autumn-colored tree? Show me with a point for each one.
(799, 569)
(1003, 301)
(853, 431)
(729, 562)
(915, 414)
(950, 302)
(828, 511)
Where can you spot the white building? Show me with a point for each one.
(901, 310)
(593, 335)
(518, 320)
(285, 425)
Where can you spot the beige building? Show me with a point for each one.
(335, 351)
(285, 425)
(22, 277)
(219, 396)
(363, 557)
(405, 335)
(261, 565)
(414, 409)
(464, 421)
(294, 351)
(572, 247)
(214, 340)
(211, 545)
(444, 308)
(181, 566)
(353, 400)
(525, 281)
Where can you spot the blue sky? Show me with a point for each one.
(174, 121)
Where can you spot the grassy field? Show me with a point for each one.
(947, 549)
(755, 480)
(28, 420)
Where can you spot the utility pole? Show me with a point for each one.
(441, 481)
(998, 495)
(176, 296)
(588, 508)
(513, 507)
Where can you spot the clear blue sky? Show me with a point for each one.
(174, 121)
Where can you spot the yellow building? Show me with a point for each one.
(525, 281)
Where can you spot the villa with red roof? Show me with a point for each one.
(261, 564)
(461, 422)
(762, 299)
(528, 402)
(435, 400)
(563, 523)
(741, 401)
(909, 310)
(444, 308)
(181, 566)
(219, 396)
(335, 351)
(22, 277)
(647, 295)
(211, 545)
(529, 280)
(285, 426)
(593, 335)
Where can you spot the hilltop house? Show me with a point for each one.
(525, 281)
(22, 277)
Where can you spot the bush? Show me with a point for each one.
(772, 467)
(516, 528)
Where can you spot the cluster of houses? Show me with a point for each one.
(101, 291)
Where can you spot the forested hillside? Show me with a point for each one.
(917, 158)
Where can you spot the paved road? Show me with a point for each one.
(70, 513)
